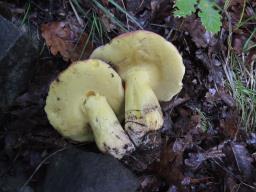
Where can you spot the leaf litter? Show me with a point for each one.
(201, 146)
(63, 38)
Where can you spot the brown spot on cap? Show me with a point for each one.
(117, 137)
(126, 146)
(90, 93)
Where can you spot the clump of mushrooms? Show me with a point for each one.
(152, 69)
(84, 100)
(82, 105)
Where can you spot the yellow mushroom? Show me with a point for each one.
(82, 104)
(152, 69)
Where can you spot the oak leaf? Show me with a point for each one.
(72, 45)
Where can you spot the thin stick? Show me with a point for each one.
(38, 167)
(80, 21)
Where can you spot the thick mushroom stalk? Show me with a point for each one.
(152, 69)
(109, 135)
(142, 110)
(82, 105)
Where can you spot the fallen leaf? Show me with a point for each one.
(240, 161)
(149, 183)
(195, 160)
(227, 98)
(212, 64)
(229, 125)
(243, 160)
(171, 165)
(200, 36)
(72, 45)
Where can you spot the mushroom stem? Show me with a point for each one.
(142, 109)
(108, 133)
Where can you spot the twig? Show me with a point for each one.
(80, 21)
(175, 103)
(127, 19)
(38, 167)
(242, 14)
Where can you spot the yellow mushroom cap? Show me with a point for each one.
(64, 103)
(147, 51)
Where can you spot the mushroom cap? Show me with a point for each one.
(148, 52)
(64, 103)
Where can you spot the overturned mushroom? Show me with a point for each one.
(152, 69)
(81, 103)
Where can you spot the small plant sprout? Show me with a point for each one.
(210, 17)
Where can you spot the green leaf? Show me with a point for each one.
(185, 7)
(210, 17)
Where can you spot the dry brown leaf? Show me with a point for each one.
(230, 124)
(171, 164)
(199, 35)
(70, 44)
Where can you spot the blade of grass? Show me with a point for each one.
(245, 93)
(97, 24)
(110, 16)
(246, 44)
(241, 81)
(246, 21)
(79, 7)
(87, 41)
(98, 27)
(26, 14)
(242, 14)
(226, 4)
(80, 21)
(126, 13)
(92, 21)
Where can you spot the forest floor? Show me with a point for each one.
(208, 137)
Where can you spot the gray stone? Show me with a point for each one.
(17, 54)
(13, 180)
(80, 171)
